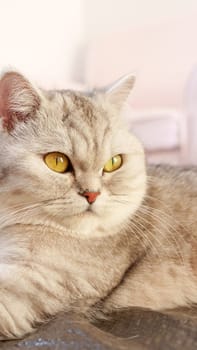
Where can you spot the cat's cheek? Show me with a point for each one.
(107, 180)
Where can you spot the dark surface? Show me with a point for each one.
(133, 329)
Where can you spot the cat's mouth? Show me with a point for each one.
(89, 209)
(87, 212)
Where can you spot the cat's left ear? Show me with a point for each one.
(118, 92)
(19, 100)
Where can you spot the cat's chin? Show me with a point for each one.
(87, 212)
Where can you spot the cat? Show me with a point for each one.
(85, 224)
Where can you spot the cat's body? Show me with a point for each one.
(131, 243)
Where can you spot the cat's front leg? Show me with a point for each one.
(28, 300)
(17, 314)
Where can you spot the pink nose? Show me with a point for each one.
(90, 196)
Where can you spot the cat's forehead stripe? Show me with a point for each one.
(83, 134)
(83, 104)
(83, 116)
(74, 102)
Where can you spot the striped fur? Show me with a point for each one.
(137, 244)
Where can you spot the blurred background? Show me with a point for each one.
(88, 43)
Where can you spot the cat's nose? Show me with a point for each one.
(90, 196)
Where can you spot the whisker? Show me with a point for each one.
(165, 227)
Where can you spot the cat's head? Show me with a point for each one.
(67, 159)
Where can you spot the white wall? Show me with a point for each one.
(102, 16)
(41, 38)
(153, 38)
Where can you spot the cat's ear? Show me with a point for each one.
(18, 99)
(118, 92)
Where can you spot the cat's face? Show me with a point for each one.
(96, 155)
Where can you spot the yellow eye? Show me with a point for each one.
(57, 161)
(113, 164)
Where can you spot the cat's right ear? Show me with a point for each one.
(118, 92)
(18, 100)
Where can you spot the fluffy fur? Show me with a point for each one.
(134, 246)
